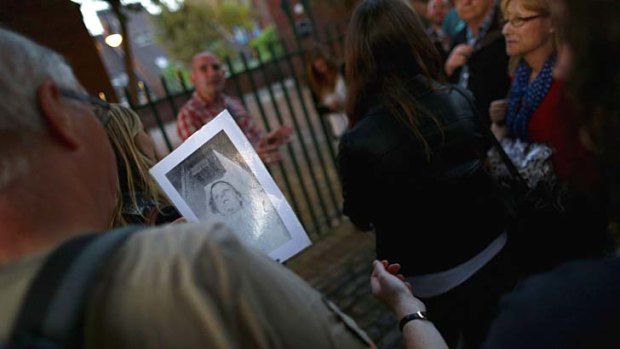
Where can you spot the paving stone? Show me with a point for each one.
(339, 265)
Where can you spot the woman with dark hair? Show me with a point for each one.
(417, 141)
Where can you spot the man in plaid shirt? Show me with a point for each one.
(209, 100)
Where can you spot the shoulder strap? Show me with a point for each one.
(52, 311)
(512, 169)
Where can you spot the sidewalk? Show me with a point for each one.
(339, 265)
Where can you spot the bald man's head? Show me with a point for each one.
(207, 75)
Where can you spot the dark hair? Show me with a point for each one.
(318, 81)
(386, 46)
(592, 31)
(212, 204)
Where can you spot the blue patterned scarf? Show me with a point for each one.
(525, 98)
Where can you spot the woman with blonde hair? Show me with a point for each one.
(532, 112)
(538, 112)
(140, 200)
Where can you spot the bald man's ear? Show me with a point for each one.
(55, 113)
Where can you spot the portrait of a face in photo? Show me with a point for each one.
(237, 200)
(221, 189)
(224, 199)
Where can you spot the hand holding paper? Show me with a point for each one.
(268, 149)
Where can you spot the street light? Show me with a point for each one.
(308, 7)
(114, 40)
(302, 26)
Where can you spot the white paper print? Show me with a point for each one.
(216, 176)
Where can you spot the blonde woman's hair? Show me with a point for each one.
(132, 164)
(541, 7)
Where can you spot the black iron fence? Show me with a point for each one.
(274, 89)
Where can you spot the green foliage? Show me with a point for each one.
(261, 43)
(198, 26)
(232, 13)
(172, 78)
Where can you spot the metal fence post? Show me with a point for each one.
(268, 128)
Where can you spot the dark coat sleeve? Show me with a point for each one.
(353, 186)
(574, 306)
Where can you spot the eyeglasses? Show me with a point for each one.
(520, 21)
(100, 108)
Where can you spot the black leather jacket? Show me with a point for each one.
(428, 214)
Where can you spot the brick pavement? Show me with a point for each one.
(339, 266)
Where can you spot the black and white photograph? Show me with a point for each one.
(217, 177)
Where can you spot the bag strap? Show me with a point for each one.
(51, 314)
(512, 169)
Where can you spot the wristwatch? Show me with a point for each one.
(418, 315)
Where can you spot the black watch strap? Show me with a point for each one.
(418, 315)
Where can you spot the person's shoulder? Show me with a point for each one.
(235, 105)
(584, 280)
(156, 251)
(211, 247)
(579, 275)
(366, 126)
(375, 134)
(453, 92)
(168, 281)
(193, 104)
(232, 100)
(562, 307)
(168, 241)
(448, 101)
(197, 285)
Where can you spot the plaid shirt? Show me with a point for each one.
(196, 112)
